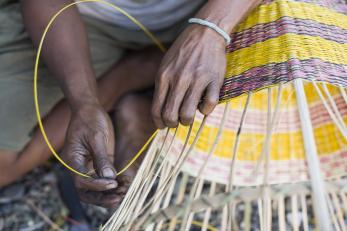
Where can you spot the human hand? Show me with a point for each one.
(190, 77)
(90, 145)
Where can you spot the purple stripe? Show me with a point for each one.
(339, 6)
(260, 77)
(284, 25)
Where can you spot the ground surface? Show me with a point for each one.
(33, 202)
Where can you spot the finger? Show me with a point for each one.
(159, 98)
(173, 103)
(122, 190)
(210, 100)
(106, 200)
(93, 184)
(190, 104)
(77, 157)
(124, 183)
(101, 157)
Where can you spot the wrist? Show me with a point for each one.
(86, 99)
(80, 90)
(213, 27)
(87, 102)
(207, 34)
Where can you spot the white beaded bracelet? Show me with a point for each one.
(213, 26)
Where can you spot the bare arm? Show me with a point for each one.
(192, 71)
(90, 139)
(65, 49)
(227, 13)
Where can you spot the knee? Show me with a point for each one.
(124, 106)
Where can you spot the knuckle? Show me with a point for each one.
(182, 83)
(164, 74)
(201, 68)
(204, 72)
(102, 161)
(97, 135)
(75, 160)
(156, 114)
(212, 73)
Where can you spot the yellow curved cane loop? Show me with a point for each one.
(37, 108)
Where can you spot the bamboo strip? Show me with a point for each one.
(281, 214)
(320, 204)
(330, 112)
(197, 195)
(304, 212)
(198, 177)
(334, 106)
(146, 209)
(118, 217)
(180, 197)
(343, 93)
(233, 216)
(236, 196)
(295, 212)
(224, 219)
(208, 210)
(248, 216)
(332, 214)
(338, 210)
(261, 214)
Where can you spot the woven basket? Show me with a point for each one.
(273, 154)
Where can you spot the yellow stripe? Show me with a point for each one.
(288, 98)
(272, 12)
(283, 48)
(284, 146)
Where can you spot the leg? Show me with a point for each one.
(134, 126)
(123, 77)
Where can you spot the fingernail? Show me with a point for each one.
(111, 186)
(108, 173)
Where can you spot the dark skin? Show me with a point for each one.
(188, 79)
(90, 136)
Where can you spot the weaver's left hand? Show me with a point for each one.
(190, 77)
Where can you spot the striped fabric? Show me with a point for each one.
(280, 41)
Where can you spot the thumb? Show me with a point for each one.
(102, 155)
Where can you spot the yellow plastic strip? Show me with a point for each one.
(37, 108)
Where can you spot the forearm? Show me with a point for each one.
(65, 49)
(227, 13)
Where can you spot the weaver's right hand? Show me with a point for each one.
(89, 146)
